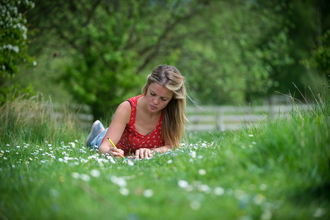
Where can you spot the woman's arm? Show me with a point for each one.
(146, 152)
(163, 149)
(120, 120)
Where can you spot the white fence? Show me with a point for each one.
(229, 117)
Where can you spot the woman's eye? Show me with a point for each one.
(164, 100)
(152, 94)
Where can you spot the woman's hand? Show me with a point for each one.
(143, 153)
(115, 152)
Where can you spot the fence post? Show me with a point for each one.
(220, 125)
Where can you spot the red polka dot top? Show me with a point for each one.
(132, 140)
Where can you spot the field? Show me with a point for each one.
(278, 170)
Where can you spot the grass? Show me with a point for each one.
(278, 170)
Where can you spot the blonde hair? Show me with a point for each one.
(174, 116)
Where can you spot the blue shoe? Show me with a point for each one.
(96, 128)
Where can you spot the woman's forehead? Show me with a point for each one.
(160, 90)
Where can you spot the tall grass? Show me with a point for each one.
(277, 170)
(32, 120)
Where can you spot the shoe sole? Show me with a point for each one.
(90, 134)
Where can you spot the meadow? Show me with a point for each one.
(277, 170)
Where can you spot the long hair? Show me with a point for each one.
(174, 117)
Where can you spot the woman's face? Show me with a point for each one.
(158, 97)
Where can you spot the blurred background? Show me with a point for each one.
(99, 53)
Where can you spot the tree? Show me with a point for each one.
(230, 52)
(320, 57)
(13, 35)
(111, 43)
(13, 43)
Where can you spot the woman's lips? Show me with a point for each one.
(152, 107)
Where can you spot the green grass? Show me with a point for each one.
(279, 170)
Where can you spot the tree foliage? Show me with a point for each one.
(320, 56)
(231, 59)
(231, 52)
(13, 37)
(111, 42)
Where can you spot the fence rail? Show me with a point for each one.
(230, 117)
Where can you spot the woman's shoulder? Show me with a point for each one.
(124, 106)
(123, 112)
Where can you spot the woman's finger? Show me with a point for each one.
(137, 154)
(116, 152)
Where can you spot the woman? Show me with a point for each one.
(150, 122)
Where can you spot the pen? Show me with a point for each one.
(114, 146)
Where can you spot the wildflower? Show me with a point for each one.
(259, 199)
(239, 194)
(319, 212)
(169, 161)
(121, 182)
(201, 172)
(111, 159)
(204, 188)
(13, 166)
(85, 177)
(203, 145)
(95, 173)
(254, 142)
(148, 193)
(219, 191)
(60, 159)
(49, 145)
(76, 141)
(54, 192)
(182, 183)
(250, 135)
(75, 175)
(18, 146)
(200, 157)
(192, 154)
(191, 160)
(266, 215)
(130, 163)
(124, 191)
(5, 158)
(195, 205)
(263, 187)
(189, 188)
(243, 147)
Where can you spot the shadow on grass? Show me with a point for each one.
(316, 195)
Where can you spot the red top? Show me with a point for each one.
(132, 140)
